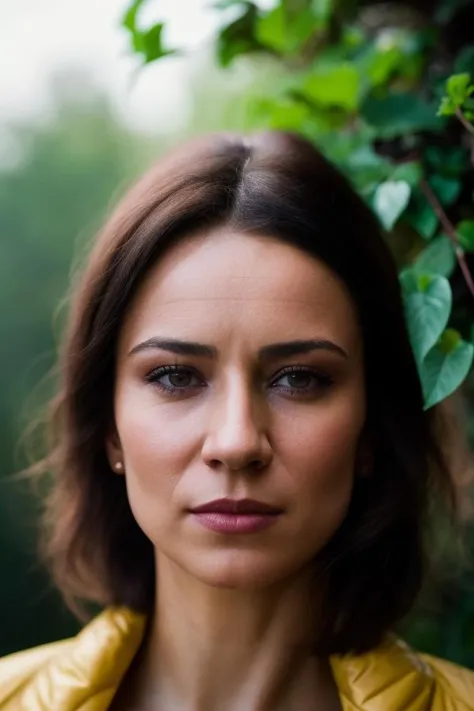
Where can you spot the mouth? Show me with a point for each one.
(237, 507)
(236, 516)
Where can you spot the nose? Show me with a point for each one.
(237, 439)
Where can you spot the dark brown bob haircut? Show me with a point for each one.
(274, 184)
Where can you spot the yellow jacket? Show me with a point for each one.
(83, 673)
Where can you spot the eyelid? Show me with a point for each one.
(324, 380)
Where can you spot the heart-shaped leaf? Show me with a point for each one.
(437, 258)
(390, 200)
(445, 367)
(427, 301)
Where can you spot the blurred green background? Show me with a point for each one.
(63, 163)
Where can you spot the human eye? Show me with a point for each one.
(174, 379)
(303, 380)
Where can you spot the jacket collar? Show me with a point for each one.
(88, 671)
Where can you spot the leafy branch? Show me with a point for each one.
(450, 232)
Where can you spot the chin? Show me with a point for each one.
(239, 570)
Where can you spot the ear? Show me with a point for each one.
(114, 451)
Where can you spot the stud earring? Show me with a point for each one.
(118, 466)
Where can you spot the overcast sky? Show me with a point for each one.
(38, 37)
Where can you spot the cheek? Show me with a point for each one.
(157, 450)
(156, 443)
(320, 460)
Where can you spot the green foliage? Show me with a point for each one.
(391, 199)
(240, 36)
(458, 89)
(445, 366)
(147, 43)
(437, 258)
(442, 356)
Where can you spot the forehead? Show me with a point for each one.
(221, 280)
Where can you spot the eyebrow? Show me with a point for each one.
(273, 351)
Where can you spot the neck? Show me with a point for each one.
(213, 648)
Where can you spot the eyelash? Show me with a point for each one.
(324, 381)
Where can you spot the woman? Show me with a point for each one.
(242, 461)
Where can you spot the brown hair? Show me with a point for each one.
(276, 184)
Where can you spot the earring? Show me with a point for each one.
(118, 466)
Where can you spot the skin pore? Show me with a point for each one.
(235, 614)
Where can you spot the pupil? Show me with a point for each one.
(179, 378)
(304, 376)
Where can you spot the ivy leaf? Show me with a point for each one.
(458, 88)
(447, 107)
(148, 42)
(465, 232)
(448, 162)
(446, 189)
(390, 200)
(152, 45)
(129, 20)
(239, 37)
(437, 258)
(421, 215)
(337, 86)
(399, 114)
(445, 367)
(427, 302)
(411, 172)
(285, 31)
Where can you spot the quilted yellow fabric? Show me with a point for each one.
(83, 673)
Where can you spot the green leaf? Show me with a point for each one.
(411, 172)
(437, 258)
(151, 44)
(445, 367)
(458, 88)
(421, 215)
(285, 31)
(399, 114)
(337, 86)
(465, 233)
(447, 107)
(390, 200)
(129, 20)
(450, 161)
(378, 63)
(427, 302)
(446, 189)
(239, 37)
(286, 115)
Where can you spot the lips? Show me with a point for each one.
(234, 506)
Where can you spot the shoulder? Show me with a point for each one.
(66, 675)
(395, 677)
(453, 683)
(16, 670)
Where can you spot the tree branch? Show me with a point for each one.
(467, 125)
(450, 232)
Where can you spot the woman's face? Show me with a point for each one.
(191, 425)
